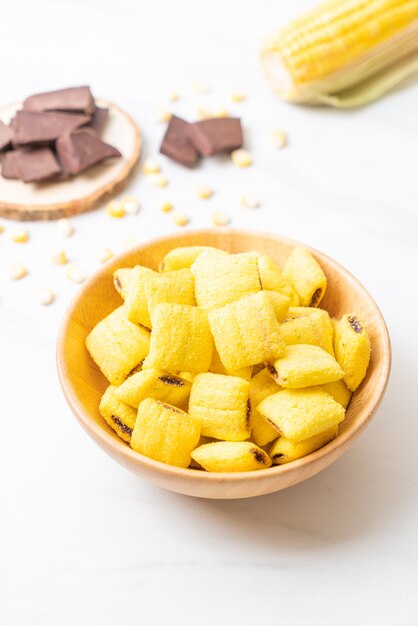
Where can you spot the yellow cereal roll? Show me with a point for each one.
(183, 257)
(272, 279)
(121, 280)
(220, 404)
(246, 332)
(136, 306)
(152, 289)
(165, 433)
(220, 279)
(120, 416)
(156, 384)
(301, 413)
(339, 391)
(308, 325)
(352, 349)
(280, 304)
(231, 456)
(303, 365)
(216, 367)
(180, 340)
(283, 450)
(306, 276)
(117, 346)
(261, 386)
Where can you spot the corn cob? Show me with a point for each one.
(344, 52)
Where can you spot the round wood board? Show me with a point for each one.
(52, 200)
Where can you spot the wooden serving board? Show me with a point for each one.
(52, 200)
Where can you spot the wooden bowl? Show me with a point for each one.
(83, 384)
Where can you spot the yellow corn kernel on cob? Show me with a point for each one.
(216, 367)
(220, 279)
(121, 280)
(156, 384)
(220, 404)
(308, 325)
(352, 349)
(136, 306)
(165, 433)
(272, 279)
(231, 456)
(306, 276)
(280, 304)
(261, 386)
(339, 391)
(183, 257)
(301, 413)
(283, 450)
(303, 365)
(120, 416)
(117, 346)
(180, 340)
(340, 44)
(246, 332)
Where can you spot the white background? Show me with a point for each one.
(84, 542)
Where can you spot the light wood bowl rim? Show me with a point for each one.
(99, 434)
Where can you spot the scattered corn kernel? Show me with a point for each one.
(150, 166)
(204, 192)
(164, 115)
(180, 219)
(174, 96)
(166, 206)
(241, 158)
(46, 296)
(60, 258)
(238, 96)
(131, 205)
(65, 227)
(20, 235)
(220, 112)
(18, 271)
(158, 180)
(75, 274)
(203, 113)
(115, 208)
(279, 139)
(249, 202)
(220, 219)
(105, 254)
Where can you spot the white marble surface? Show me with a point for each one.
(84, 542)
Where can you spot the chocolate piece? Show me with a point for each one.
(29, 127)
(5, 136)
(99, 119)
(82, 148)
(8, 164)
(78, 99)
(30, 165)
(176, 143)
(216, 135)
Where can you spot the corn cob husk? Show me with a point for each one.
(344, 53)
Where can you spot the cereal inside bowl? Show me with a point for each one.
(225, 362)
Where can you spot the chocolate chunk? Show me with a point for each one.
(30, 165)
(176, 143)
(216, 135)
(78, 99)
(99, 119)
(8, 164)
(82, 148)
(5, 136)
(29, 127)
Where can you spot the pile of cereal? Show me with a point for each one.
(224, 362)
